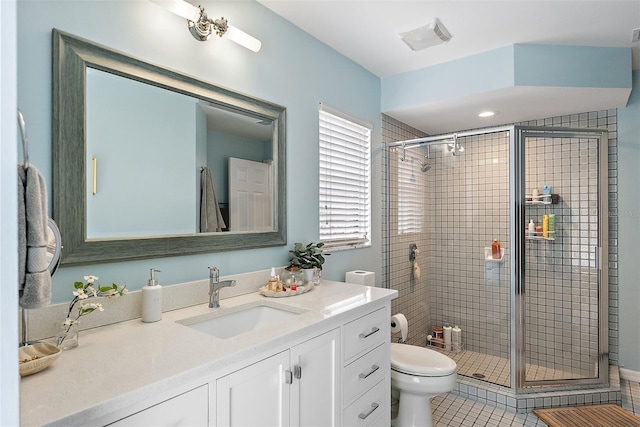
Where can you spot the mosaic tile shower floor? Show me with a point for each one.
(450, 410)
(495, 369)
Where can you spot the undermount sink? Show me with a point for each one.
(230, 322)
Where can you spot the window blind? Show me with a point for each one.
(410, 195)
(345, 181)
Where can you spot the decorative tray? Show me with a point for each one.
(36, 357)
(288, 293)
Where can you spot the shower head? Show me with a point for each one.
(425, 165)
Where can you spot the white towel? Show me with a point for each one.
(34, 278)
(210, 215)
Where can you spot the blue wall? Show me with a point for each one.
(510, 66)
(292, 69)
(629, 228)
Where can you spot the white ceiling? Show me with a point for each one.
(367, 32)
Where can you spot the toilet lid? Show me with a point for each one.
(412, 359)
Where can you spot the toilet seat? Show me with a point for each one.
(420, 361)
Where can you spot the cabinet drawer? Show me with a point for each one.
(365, 372)
(371, 409)
(365, 333)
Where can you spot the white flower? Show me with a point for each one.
(80, 294)
(98, 306)
(69, 321)
(93, 291)
(91, 279)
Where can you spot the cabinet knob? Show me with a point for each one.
(288, 377)
(364, 415)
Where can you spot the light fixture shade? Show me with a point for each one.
(429, 35)
(202, 27)
(180, 8)
(243, 39)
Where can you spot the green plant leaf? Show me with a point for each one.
(78, 285)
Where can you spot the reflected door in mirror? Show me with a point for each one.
(250, 196)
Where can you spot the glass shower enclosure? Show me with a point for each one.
(537, 315)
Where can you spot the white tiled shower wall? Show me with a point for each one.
(463, 209)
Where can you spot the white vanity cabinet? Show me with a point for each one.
(297, 387)
(329, 366)
(366, 383)
(189, 409)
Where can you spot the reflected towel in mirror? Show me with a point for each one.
(210, 215)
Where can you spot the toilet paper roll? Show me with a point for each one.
(399, 324)
(447, 337)
(360, 277)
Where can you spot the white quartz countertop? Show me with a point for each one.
(119, 364)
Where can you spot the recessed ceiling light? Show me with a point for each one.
(487, 113)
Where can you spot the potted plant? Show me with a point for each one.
(308, 257)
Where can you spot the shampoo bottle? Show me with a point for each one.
(152, 299)
(532, 228)
(496, 253)
(545, 226)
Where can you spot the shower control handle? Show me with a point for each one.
(413, 252)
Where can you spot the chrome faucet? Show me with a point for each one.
(215, 285)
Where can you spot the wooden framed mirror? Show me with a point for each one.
(86, 120)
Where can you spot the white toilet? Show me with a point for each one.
(417, 375)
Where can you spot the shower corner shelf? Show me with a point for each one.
(542, 199)
(489, 257)
(552, 236)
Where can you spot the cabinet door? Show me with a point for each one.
(315, 394)
(257, 395)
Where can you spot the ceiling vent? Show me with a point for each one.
(430, 35)
(635, 37)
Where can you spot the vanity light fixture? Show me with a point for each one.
(202, 27)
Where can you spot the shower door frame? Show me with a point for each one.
(519, 382)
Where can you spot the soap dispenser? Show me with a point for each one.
(152, 299)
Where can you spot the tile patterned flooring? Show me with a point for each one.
(496, 369)
(450, 410)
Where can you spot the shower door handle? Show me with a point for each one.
(598, 257)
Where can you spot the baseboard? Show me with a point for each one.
(629, 375)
